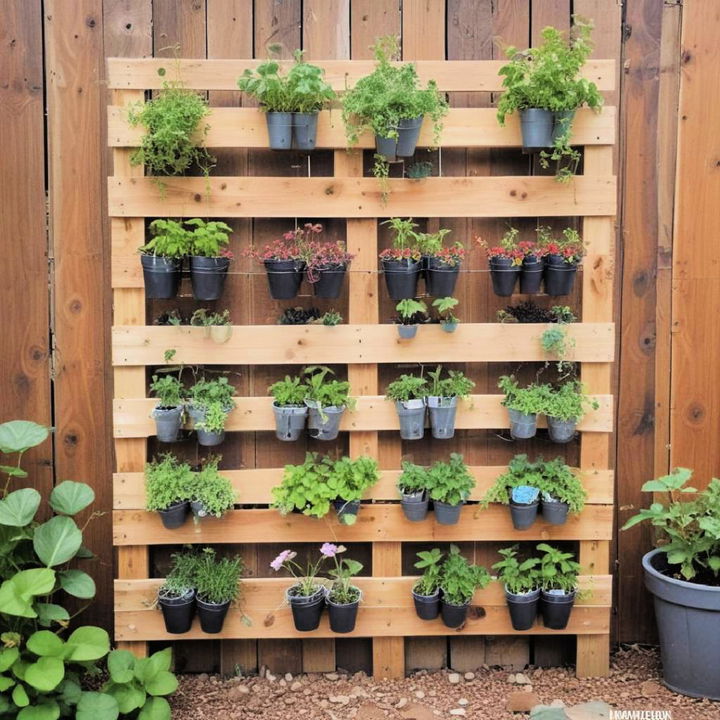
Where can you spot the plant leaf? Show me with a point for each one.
(128, 697)
(46, 710)
(57, 540)
(69, 497)
(17, 593)
(97, 706)
(156, 708)
(20, 697)
(20, 435)
(50, 612)
(88, 643)
(7, 657)
(13, 471)
(77, 583)
(19, 507)
(163, 683)
(45, 674)
(121, 664)
(44, 642)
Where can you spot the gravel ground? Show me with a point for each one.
(634, 683)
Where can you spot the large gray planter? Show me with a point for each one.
(280, 130)
(415, 506)
(304, 130)
(447, 514)
(411, 414)
(442, 416)
(688, 620)
(324, 424)
(537, 127)
(289, 422)
(555, 512)
(168, 421)
(204, 437)
(561, 431)
(522, 426)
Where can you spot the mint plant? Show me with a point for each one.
(215, 399)
(460, 579)
(289, 392)
(567, 402)
(517, 575)
(169, 239)
(326, 393)
(454, 385)
(560, 483)
(450, 482)
(430, 562)
(558, 570)
(529, 400)
(413, 479)
(208, 239)
(407, 387)
(169, 390)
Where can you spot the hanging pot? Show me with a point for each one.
(537, 129)
(440, 277)
(289, 421)
(453, 616)
(212, 615)
(284, 278)
(449, 327)
(329, 281)
(198, 508)
(306, 609)
(206, 438)
(161, 275)
(446, 514)
(442, 416)
(523, 516)
(504, 275)
(559, 275)
(342, 616)
(555, 512)
(561, 431)
(174, 515)
(556, 608)
(304, 130)
(411, 414)
(401, 278)
(408, 131)
(415, 505)
(220, 333)
(407, 332)
(323, 423)
(523, 608)
(562, 124)
(531, 275)
(427, 607)
(347, 510)
(522, 426)
(280, 130)
(168, 421)
(207, 275)
(178, 612)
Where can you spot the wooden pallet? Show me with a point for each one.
(386, 615)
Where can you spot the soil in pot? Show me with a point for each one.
(342, 617)
(440, 278)
(555, 512)
(168, 421)
(289, 422)
(280, 130)
(446, 514)
(205, 438)
(556, 607)
(427, 607)
(178, 612)
(561, 431)
(415, 506)
(504, 275)
(411, 414)
(212, 616)
(523, 516)
(324, 424)
(161, 275)
(207, 275)
(306, 610)
(453, 616)
(559, 276)
(347, 511)
(284, 278)
(304, 130)
(442, 416)
(531, 275)
(523, 608)
(407, 332)
(175, 515)
(522, 426)
(329, 281)
(401, 278)
(537, 129)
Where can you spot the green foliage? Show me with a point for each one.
(420, 170)
(215, 398)
(444, 307)
(289, 392)
(217, 580)
(326, 393)
(518, 576)
(212, 489)
(454, 385)
(688, 529)
(413, 478)
(567, 402)
(430, 564)
(405, 238)
(450, 482)
(411, 312)
(529, 400)
(407, 387)
(170, 239)
(351, 478)
(331, 318)
(555, 342)
(432, 243)
(205, 318)
(181, 577)
(459, 579)
(558, 570)
(208, 239)
(520, 472)
(169, 390)
(342, 591)
(561, 483)
(167, 481)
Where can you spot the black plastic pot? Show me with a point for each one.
(415, 506)
(289, 422)
(342, 617)
(408, 131)
(347, 511)
(446, 514)
(442, 416)
(168, 421)
(212, 616)
(161, 275)
(284, 278)
(207, 275)
(440, 278)
(453, 616)
(556, 609)
(688, 621)
(522, 426)
(175, 516)
(562, 123)
(559, 275)
(561, 431)
(206, 438)
(324, 424)
(523, 608)
(537, 129)
(407, 332)
(555, 512)
(280, 130)
(411, 414)
(304, 130)
(329, 281)
(523, 516)
(401, 278)
(178, 612)
(306, 610)
(531, 275)
(427, 607)
(504, 275)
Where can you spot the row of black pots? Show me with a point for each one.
(307, 611)
(542, 128)
(162, 276)
(523, 515)
(415, 507)
(168, 424)
(411, 414)
(322, 424)
(292, 130)
(429, 607)
(178, 613)
(555, 608)
(175, 515)
(523, 426)
(286, 276)
(552, 270)
(402, 276)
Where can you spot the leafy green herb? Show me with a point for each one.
(169, 391)
(529, 400)
(454, 385)
(413, 479)
(558, 570)
(212, 489)
(326, 393)
(567, 402)
(411, 312)
(444, 307)
(430, 564)
(407, 387)
(289, 392)
(215, 398)
(450, 482)
(170, 239)
(342, 591)
(460, 579)
(217, 580)
(208, 239)
(518, 576)
(205, 318)
(167, 481)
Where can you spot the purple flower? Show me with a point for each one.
(282, 558)
(329, 550)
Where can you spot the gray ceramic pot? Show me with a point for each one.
(324, 424)
(522, 426)
(442, 416)
(537, 127)
(168, 421)
(289, 422)
(561, 431)
(415, 506)
(411, 414)
(280, 127)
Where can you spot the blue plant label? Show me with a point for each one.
(524, 494)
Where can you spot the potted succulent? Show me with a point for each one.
(162, 258)
(210, 404)
(284, 261)
(521, 582)
(217, 325)
(326, 266)
(209, 257)
(505, 261)
(519, 488)
(441, 264)
(426, 590)
(217, 584)
(402, 263)
(562, 492)
(449, 486)
(167, 490)
(458, 582)
(444, 306)
(326, 400)
(176, 596)
(683, 575)
(291, 102)
(523, 405)
(531, 269)
(413, 485)
(342, 598)
(564, 407)
(408, 392)
(442, 399)
(561, 257)
(349, 479)
(289, 408)
(410, 314)
(558, 575)
(211, 493)
(168, 413)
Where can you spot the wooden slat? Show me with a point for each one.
(463, 127)
(458, 75)
(361, 197)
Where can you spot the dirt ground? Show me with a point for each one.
(634, 684)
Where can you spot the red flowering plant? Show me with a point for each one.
(291, 246)
(406, 245)
(321, 256)
(508, 248)
(569, 246)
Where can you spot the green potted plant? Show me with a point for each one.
(343, 598)
(555, 342)
(521, 582)
(519, 488)
(523, 405)
(168, 413)
(211, 493)
(441, 264)
(402, 263)
(410, 314)
(210, 404)
(529, 312)
(413, 485)
(304, 488)
(558, 575)
(284, 262)
(209, 257)
(176, 596)
(562, 492)
(291, 102)
(449, 486)
(683, 575)
(331, 318)
(167, 490)
(458, 582)
(505, 261)
(327, 400)
(408, 393)
(348, 481)
(217, 324)
(217, 584)
(561, 257)
(444, 307)
(564, 407)
(162, 259)
(326, 264)
(289, 407)
(426, 589)
(442, 399)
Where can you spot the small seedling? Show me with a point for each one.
(444, 307)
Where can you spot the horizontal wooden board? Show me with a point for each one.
(351, 344)
(462, 127)
(386, 609)
(376, 522)
(254, 486)
(372, 412)
(450, 76)
(273, 197)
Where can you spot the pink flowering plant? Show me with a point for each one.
(342, 591)
(508, 248)
(307, 582)
(569, 245)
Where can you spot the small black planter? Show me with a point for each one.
(289, 422)
(523, 608)
(504, 275)
(401, 278)
(453, 616)
(523, 516)
(178, 612)
(559, 275)
(415, 506)
(329, 281)
(411, 414)
(304, 130)
(427, 607)
(161, 275)
(167, 423)
(306, 610)
(347, 511)
(555, 512)
(342, 617)
(556, 609)
(284, 278)
(280, 130)
(207, 275)
(324, 424)
(537, 129)
(212, 616)
(446, 514)
(531, 275)
(440, 278)
(175, 516)
(561, 431)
